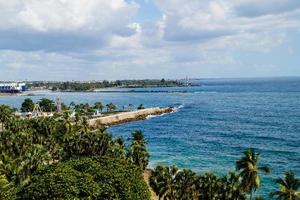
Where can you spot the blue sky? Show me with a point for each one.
(136, 39)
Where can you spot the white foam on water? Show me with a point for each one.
(176, 109)
(152, 116)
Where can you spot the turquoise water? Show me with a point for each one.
(214, 123)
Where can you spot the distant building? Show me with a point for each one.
(12, 87)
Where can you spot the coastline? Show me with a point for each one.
(11, 94)
(126, 117)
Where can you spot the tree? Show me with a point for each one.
(67, 122)
(98, 106)
(88, 178)
(138, 153)
(117, 148)
(209, 186)
(231, 187)
(27, 105)
(249, 169)
(95, 143)
(186, 185)
(163, 182)
(47, 105)
(111, 107)
(6, 114)
(140, 107)
(288, 187)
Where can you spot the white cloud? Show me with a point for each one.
(61, 24)
(206, 20)
(100, 39)
(66, 15)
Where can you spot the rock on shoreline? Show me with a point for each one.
(127, 117)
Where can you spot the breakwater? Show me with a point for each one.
(127, 117)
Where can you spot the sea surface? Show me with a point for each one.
(213, 123)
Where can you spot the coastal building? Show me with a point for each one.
(12, 87)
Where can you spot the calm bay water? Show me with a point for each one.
(214, 123)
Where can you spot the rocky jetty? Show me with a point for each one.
(126, 117)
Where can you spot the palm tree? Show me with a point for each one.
(111, 107)
(117, 148)
(289, 187)
(85, 125)
(209, 186)
(186, 185)
(98, 106)
(5, 115)
(163, 182)
(249, 169)
(67, 122)
(138, 153)
(232, 187)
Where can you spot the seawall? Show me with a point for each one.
(127, 117)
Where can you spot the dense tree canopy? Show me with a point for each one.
(27, 105)
(47, 105)
(95, 178)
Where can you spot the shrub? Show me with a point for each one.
(88, 178)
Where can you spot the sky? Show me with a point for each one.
(138, 39)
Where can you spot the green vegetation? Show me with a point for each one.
(140, 107)
(28, 146)
(56, 158)
(90, 86)
(87, 110)
(27, 105)
(111, 107)
(138, 152)
(170, 183)
(288, 187)
(95, 177)
(249, 171)
(47, 105)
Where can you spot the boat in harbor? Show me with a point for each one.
(12, 87)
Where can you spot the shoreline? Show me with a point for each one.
(11, 94)
(122, 118)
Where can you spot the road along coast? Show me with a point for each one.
(125, 117)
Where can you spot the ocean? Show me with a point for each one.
(213, 123)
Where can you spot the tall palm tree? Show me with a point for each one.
(138, 153)
(67, 121)
(163, 182)
(111, 107)
(249, 169)
(85, 125)
(186, 185)
(288, 187)
(117, 148)
(98, 106)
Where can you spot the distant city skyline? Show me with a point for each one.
(139, 39)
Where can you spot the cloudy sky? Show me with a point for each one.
(130, 39)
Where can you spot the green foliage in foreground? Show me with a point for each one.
(170, 183)
(288, 187)
(88, 178)
(50, 158)
(28, 145)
